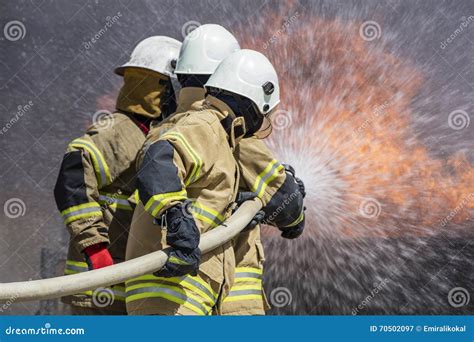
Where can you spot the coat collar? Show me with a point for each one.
(234, 126)
(188, 97)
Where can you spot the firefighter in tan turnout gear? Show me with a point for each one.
(160, 295)
(261, 176)
(260, 173)
(97, 175)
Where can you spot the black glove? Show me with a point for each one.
(183, 236)
(291, 170)
(180, 263)
(257, 219)
(293, 232)
(243, 196)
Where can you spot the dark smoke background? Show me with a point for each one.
(67, 79)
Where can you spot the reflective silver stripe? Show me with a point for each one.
(168, 292)
(263, 179)
(160, 200)
(110, 200)
(201, 287)
(119, 293)
(77, 268)
(153, 206)
(81, 211)
(207, 214)
(244, 292)
(97, 157)
(248, 275)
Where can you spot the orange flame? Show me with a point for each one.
(349, 102)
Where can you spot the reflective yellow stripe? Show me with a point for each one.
(194, 175)
(244, 292)
(248, 269)
(295, 222)
(74, 267)
(115, 201)
(157, 202)
(247, 280)
(207, 214)
(137, 196)
(175, 260)
(81, 211)
(174, 279)
(80, 206)
(210, 294)
(114, 195)
(185, 281)
(168, 297)
(182, 297)
(246, 287)
(119, 292)
(248, 275)
(77, 263)
(243, 297)
(160, 285)
(271, 171)
(100, 165)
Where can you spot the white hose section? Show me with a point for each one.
(71, 284)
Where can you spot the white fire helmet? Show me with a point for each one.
(204, 48)
(157, 53)
(250, 74)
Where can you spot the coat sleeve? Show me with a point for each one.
(180, 157)
(83, 171)
(266, 176)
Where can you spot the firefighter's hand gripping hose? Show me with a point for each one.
(76, 283)
(183, 236)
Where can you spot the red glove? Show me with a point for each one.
(98, 256)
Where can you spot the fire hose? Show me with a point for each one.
(71, 284)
